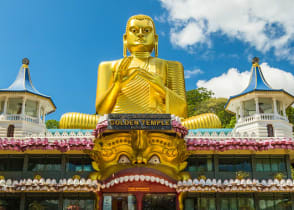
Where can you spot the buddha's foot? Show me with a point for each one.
(75, 120)
(207, 120)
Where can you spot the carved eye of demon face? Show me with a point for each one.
(123, 159)
(154, 160)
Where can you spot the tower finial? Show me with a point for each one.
(26, 61)
(255, 61)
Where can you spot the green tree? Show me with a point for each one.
(195, 98)
(216, 105)
(232, 122)
(290, 115)
(200, 101)
(52, 124)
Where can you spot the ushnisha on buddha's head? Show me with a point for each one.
(140, 35)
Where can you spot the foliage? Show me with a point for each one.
(290, 115)
(195, 98)
(232, 122)
(52, 124)
(200, 101)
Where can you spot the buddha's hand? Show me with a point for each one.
(117, 78)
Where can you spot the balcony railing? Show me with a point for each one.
(19, 117)
(261, 117)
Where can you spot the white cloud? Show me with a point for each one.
(264, 24)
(189, 35)
(234, 82)
(190, 73)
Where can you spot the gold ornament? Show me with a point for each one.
(241, 175)
(37, 177)
(76, 177)
(115, 152)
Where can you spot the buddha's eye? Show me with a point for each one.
(133, 30)
(147, 30)
(154, 160)
(123, 159)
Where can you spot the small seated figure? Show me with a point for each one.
(140, 83)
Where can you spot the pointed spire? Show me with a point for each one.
(23, 80)
(257, 80)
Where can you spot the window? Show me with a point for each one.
(44, 163)
(270, 164)
(45, 202)
(201, 202)
(200, 164)
(274, 202)
(11, 163)
(78, 203)
(265, 105)
(236, 202)
(31, 108)
(14, 106)
(234, 164)
(9, 202)
(249, 108)
(79, 164)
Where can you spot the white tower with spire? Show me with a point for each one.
(261, 110)
(22, 107)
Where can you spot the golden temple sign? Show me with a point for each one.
(139, 122)
(138, 189)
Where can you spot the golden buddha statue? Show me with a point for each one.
(140, 83)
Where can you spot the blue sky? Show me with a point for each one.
(66, 40)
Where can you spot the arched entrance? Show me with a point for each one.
(10, 131)
(138, 191)
(270, 130)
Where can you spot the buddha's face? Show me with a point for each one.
(140, 36)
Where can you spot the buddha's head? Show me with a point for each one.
(140, 35)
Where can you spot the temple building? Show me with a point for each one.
(22, 107)
(140, 151)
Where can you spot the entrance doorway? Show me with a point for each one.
(10, 131)
(150, 201)
(270, 130)
(159, 202)
(119, 201)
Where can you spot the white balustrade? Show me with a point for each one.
(18, 117)
(261, 117)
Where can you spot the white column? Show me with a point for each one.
(237, 114)
(5, 106)
(284, 110)
(23, 105)
(256, 106)
(241, 110)
(39, 112)
(275, 106)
